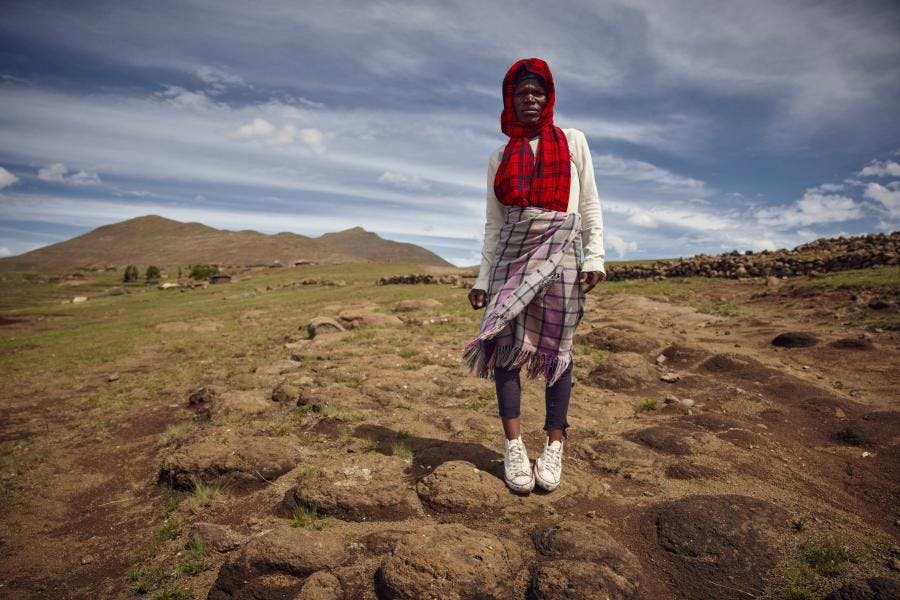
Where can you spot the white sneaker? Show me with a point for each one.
(517, 467)
(548, 466)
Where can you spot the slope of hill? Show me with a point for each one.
(156, 240)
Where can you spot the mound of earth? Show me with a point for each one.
(878, 429)
(853, 343)
(460, 487)
(874, 588)
(614, 339)
(674, 440)
(622, 371)
(795, 339)
(448, 561)
(685, 470)
(229, 460)
(274, 564)
(367, 487)
(717, 543)
(736, 366)
(682, 355)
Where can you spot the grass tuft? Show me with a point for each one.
(308, 517)
(828, 556)
(203, 496)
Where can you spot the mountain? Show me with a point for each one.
(159, 241)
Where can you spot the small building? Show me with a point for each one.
(220, 278)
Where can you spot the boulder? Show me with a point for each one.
(450, 562)
(276, 562)
(718, 543)
(365, 487)
(412, 305)
(320, 325)
(460, 487)
(241, 461)
(217, 537)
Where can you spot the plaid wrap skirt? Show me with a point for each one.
(535, 298)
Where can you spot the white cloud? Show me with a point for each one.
(638, 171)
(263, 130)
(889, 196)
(764, 245)
(55, 172)
(884, 168)
(642, 218)
(828, 187)
(218, 78)
(59, 173)
(4, 252)
(6, 178)
(313, 138)
(813, 207)
(182, 98)
(402, 180)
(619, 245)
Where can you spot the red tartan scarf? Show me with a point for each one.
(521, 180)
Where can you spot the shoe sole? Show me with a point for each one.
(547, 487)
(521, 489)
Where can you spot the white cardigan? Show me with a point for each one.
(583, 199)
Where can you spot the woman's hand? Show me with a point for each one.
(591, 278)
(477, 298)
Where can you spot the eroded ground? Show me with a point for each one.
(703, 460)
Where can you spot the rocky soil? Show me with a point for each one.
(747, 450)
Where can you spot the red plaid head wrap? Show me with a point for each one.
(521, 179)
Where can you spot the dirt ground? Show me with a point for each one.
(729, 439)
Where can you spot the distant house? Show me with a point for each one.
(220, 278)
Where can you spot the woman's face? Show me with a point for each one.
(529, 99)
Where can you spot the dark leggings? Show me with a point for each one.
(556, 397)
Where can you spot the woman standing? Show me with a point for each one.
(543, 250)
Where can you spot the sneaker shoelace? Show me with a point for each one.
(517, 458)
(552, 458)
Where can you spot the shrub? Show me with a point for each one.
(131, 274)
(153, 273)
(203, 271)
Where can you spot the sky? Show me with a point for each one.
(713, 126)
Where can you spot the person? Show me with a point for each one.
(543, 250)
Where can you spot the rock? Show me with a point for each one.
(217, 537)
(321, 585)
(582, 580)
(239, 461)
(450, 562)
(78, 299)
(669, 377)
(117, 291)
(286, 392)
(459, 487)
(772, 282)
(719, 542)
(321, 325)
(243, 402)
(291, 553)
(366, 487)
(201, 401)
(112, 377)
(168, 285)
(795, 339)
(874, 588)
(411, 305)
(622, 371)
(354, 318)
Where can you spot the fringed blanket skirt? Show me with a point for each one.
(535, 300)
